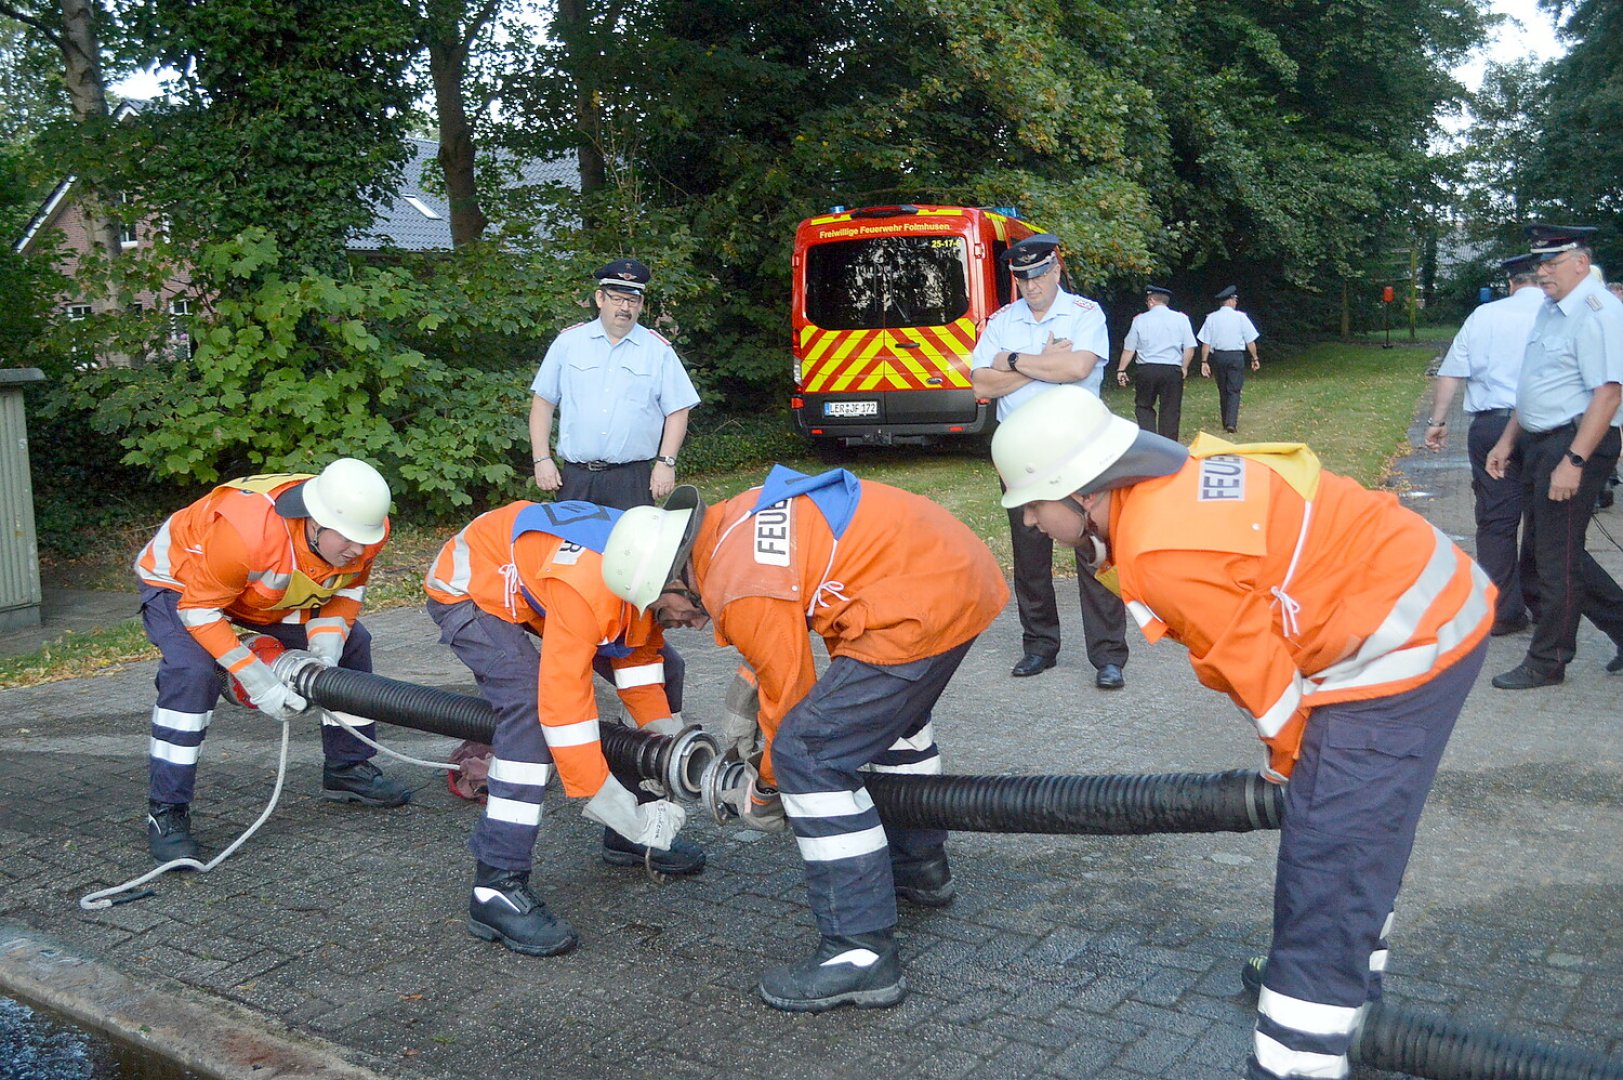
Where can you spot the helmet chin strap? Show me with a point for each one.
(1091, 547)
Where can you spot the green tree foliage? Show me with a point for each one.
(286, 115)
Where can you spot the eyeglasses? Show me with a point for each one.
(623, 299)
(1555, 262)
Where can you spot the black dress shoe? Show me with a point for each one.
(1509, 626)
(1031, 664)
(1110, 678)
(1615, 664)
(1522, 677)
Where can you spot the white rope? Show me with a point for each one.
(341, 719)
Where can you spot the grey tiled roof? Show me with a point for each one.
(417, 219)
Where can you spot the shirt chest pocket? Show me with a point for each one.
(625, 378)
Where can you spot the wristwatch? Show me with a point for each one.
(1576, 459)
(1014, 357)
(663, 460)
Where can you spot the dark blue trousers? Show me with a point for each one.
(1351, 810)
(188, 682)
(858, 714)
(506, 666)
(1499, 507)
(1104, 616)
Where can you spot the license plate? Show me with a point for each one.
(850, 408)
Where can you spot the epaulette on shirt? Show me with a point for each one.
(577, 326)
(1593, 301)
(661, 338)
(1001, 310)
(1084, 303)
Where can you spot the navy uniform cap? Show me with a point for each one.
(627, 274)
(1032, 256)
(1519, 264)
(1229, 293)
(1158, 290)
(1550, 240)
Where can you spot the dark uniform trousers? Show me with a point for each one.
(506, 667)
(1228, 371)
(1351, 811)
(1499, 509)
(858, 714)
(1570, 582)
(1104, 616)
(620, 485)
(189, 683)
(1163, 382)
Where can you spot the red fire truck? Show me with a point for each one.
(887, 303)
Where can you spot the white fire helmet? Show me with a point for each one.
(1058, 443)
(351, 498)
(649, 546)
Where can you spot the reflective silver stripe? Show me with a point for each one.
(928, 767)
(461, 567)
(513, 811)
(571, 734)
(1280, 1060)
(1377, 960)
(159, 545)
(1386, 927)
(175, 755)
(531, 773)
(1381, 659)
(295, 617)
(827, 804)
(279, 582)
(1141, 613)
(1280, 712)
(847, 846)
(192, 618)
(1308, 1017)
(356, 593)
(923, 739)
(181, 721)
(629, 678)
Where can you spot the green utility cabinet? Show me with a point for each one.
(19, 545)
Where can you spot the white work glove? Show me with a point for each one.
(279, 702)
(740, 729)
(664, 725)
(327, 648)
(757, 806)
(654, 824)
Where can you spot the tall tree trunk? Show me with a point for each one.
(446, 62)
(574, 29)
(81, 65)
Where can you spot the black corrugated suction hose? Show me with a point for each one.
(1237, 801)
(1399, 1040)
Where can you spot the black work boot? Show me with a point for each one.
(923, 880)
(169, 831)
(362, 782)
(1251, 973)
(684, 857)
(864, 970)
(502, 908)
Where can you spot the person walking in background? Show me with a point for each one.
(622, 399)
(1486, 361)
(283, 554)
(1048, 338)
(1165, 343)
(1226, 338)
(1565, 429)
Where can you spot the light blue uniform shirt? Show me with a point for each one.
(1159, 335)
(1576, 347)
(612, 398)
(1487, 352)
(1013, 329)
(1227, 330)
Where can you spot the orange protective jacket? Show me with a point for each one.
(906, 581)
(1367, 600)
(231, 556)
(482, 564)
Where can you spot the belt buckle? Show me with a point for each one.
(598, 466)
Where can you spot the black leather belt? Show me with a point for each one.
(604, 466)
(1502, 414)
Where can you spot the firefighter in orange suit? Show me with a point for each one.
(284, 554)
(898, 589)
(531, 570)
(1345, 625)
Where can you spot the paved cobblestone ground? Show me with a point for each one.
(1063, 956)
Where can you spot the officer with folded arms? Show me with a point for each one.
(622, 400)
